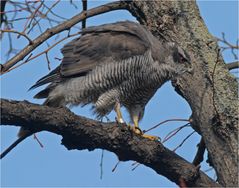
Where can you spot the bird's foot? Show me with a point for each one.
(137, 130)
(150, 137)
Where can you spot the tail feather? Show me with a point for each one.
(52, 76)
(44, 93)
(23, 132)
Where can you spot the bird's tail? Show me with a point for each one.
(23, 132)
(23, 135)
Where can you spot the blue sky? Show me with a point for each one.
(29, 165)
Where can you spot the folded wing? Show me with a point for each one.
(96, 46)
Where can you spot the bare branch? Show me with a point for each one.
(229, 45)
(82, 133)
(199, 156)
(19, 33)
(184, 140)
(84, 4)
(3, 16)
(165, 121)
(174, 132)
(62, 27)
(233, 65)
(43, 52)
(32, 17)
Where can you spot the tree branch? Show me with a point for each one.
(62, 27)
(17, 32)
(218, 126)
(3, 16)
(84, 5)
(233, 65)
(199, 155)
(82, 133)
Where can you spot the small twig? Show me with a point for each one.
(199, 155)
(38, 141)
(116, 165)
(32, 17)
(45, 51)
(3, 15)
(184, 141)
(209, 169)
(73, 4)
(165, 121)
(53, 13)
(48, 61)
(17, 32)
(11, 49)
(228, 46)
(138, 164)
(223, 40)
(101, 164)
(28, 9)
(44, 16)
(57, 58)
(10, 11)
(84, 4)
(29, 57)
(174, 132)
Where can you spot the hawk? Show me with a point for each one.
(113, 65)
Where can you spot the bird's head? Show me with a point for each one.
(178, 60)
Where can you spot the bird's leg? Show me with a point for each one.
(137, 130)
(119, 117)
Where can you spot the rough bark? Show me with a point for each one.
(82, 133)
(211, 91)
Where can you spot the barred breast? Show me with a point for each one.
(130, 82)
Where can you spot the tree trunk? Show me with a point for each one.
(211, 90)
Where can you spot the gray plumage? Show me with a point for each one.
(120, 62)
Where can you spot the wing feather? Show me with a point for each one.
(99, 45)
(102, 44)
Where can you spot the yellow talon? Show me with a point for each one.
(135, 118)
(137, 130)
(150, 137)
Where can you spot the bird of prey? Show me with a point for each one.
(113, 65)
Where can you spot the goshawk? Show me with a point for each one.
(113, 65)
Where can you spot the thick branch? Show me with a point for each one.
(233, 65)
(62, 27)
(199, 155)
(82, 133)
